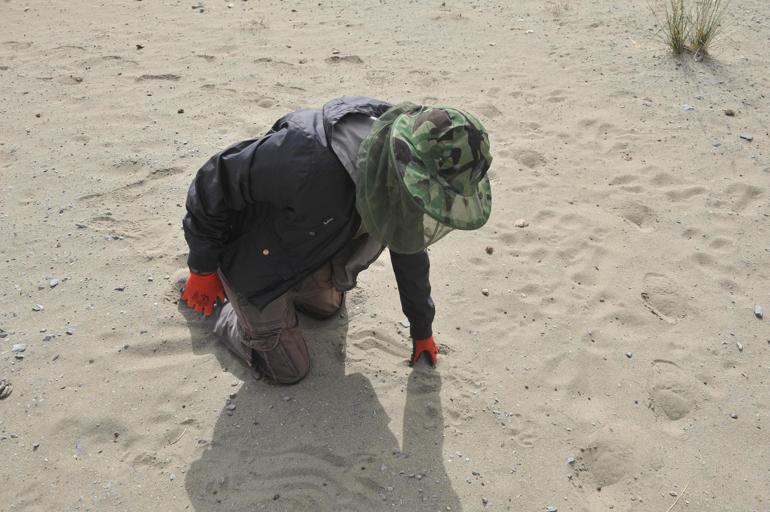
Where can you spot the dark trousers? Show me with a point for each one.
(269, 339)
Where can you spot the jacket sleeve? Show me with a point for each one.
(413, 278)
(245, 173)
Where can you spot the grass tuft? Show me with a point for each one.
(692, 30)
(676, 27)
(707, 23)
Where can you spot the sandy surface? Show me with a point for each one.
(599, 373)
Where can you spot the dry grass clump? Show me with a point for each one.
(692, 29)
(676, 28)
(707, 24)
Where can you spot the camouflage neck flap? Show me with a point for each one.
(422, 172)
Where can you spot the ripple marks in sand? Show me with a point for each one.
(310, 478)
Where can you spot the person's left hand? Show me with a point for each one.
(428, 347)
(202, 291)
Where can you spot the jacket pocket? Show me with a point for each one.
(305, 241)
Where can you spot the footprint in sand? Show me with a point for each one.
(671, 400)
(640, 215)
(673, 392)
(742, 196)
(661, 296)
(603, 462)
(623, 179)
(529, 158)
(487, 110)
(685, 194)
(378, 344)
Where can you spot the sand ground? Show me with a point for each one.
(615, 364)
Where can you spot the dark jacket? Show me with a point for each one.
(269, 211)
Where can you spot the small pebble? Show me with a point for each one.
(747, 136)
(551, 508)
(739, 345)
(758, 311)
(19, 347)
(521, 223)
(485, 292)
(35, 447)
(729, 112)
(69, 331)
(734, 416)
(180, 111)
(230, 407)
(53, 283)
(570, 460)
(37, 307)
(490, 249)
(629, 355)
(687, 107)
(405, 323)
(484, 501)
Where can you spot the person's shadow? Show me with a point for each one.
(323, 444)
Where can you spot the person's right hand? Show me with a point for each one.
(202, 291)
(428, 347)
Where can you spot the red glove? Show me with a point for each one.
(202, 291)
(426, 346)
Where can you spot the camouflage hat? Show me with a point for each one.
(422, 173)
(442, 156)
